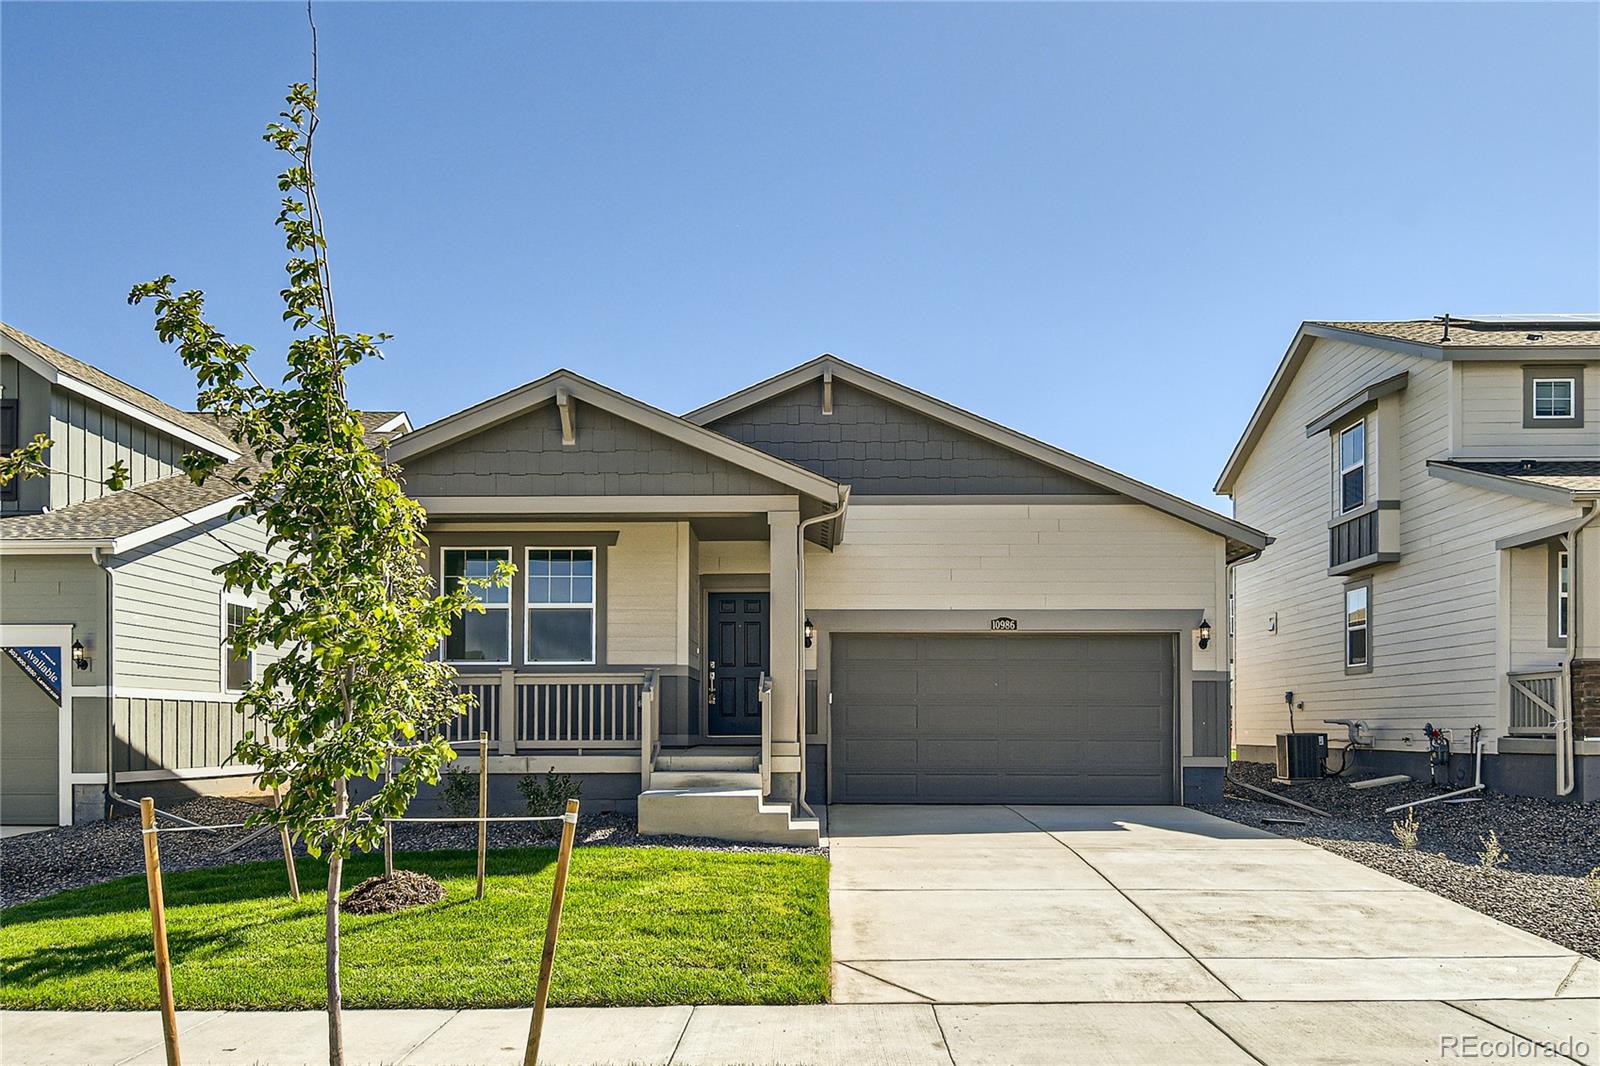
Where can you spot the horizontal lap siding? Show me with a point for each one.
(642, 596)
(1491, 416)
(1434, 612)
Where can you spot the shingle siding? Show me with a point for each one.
(880, 448)
(524, 456)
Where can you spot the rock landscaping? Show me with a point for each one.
(42, 863)
(1541, 886)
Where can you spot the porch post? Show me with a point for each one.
(783, 553)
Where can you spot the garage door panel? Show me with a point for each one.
(1002, 718)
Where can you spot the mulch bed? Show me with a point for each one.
(1542, 888)
(46, 862)
(386, 895)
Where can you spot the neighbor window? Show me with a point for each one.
(238, 670)
(560, 605)
(1353, 467)
(1552, 397)
(475, 637)
(1357, 627)
(8, 444)
(1563, 594)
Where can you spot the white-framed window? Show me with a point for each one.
(1553, 397)
(1563, 593)
(1353, 467)
(1357, 627)
(484, 638)
(238, 671)
(561, 605)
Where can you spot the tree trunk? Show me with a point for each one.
(335, 995)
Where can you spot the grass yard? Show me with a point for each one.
(640, 926)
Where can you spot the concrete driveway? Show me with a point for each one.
(997, 905)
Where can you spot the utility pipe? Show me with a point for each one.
(800, 598)
(1228, 773)
(1478, 787)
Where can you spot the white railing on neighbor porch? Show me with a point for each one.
(1534, 695)
(535, 712)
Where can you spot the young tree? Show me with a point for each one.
(350, 605)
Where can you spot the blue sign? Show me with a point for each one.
(43, 667)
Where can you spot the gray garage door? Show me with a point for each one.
(28, 743)
(1002, 718)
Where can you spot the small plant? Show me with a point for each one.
(1493, 856)
(1592, 882)
(1408, 830)
(548, 795)
(458, 789)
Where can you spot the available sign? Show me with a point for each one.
(42, 665)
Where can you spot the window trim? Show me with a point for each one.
(225, 650)
(1342, 470)
(1572, 398)
(511, 617)
(1345, 629)
(1532, 375)
(1558, 636)
(528, 606)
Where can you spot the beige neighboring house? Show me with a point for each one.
(113, 671)
(1431, 488)
(827, 587)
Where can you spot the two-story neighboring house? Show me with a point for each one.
(112, 624)
(1431, 487)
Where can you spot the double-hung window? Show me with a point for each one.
(1553, 397)
(479, 637)
(8, 443)
(1357, 628)
(561, 596)
(238, 668)
(1353, 467)
(1563, 593)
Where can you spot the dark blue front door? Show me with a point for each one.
(736, 658)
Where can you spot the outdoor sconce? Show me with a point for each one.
(1205, 634)
(811, 633)
(80, 655)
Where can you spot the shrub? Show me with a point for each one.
(1408, 830)
(458, 789)
(1593, 883)
(1493, 856)
(547, 795)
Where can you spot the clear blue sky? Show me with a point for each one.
(1098, 224)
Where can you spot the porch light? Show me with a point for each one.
(1205, 634)
(811, 632)
(80, 655)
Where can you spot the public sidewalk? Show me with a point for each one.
(897, 1034)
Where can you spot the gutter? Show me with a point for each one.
(1564, 757)
(800, 598)
(102, 560)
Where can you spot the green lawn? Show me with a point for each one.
(640, 926)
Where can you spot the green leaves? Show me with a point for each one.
(26, 461)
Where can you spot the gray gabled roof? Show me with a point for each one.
(105, 521)
(1554, 479)
(1242, 539)
(60, 368)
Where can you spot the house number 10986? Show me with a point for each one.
(1006, 625)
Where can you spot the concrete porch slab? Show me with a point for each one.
(1345, 1034)
(892, 1034)
(1570, 1026)
(983, 868)
(1124, 1034)
(954, 826)
(241, 1037)
(1050, 980)
(1357, 924)
(573, 1036)
(1247, 869)
(1537, 977)
(993, 925)
(70, 1038)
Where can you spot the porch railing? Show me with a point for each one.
(1534, 697)
(535, 712)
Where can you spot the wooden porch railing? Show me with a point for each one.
(1534, 698)
(534, 712)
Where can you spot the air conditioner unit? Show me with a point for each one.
(1300, 757)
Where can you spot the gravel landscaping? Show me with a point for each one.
(38, 864)
(1541, 888)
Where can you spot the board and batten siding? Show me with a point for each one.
(32, 395)
(1434, 613)
(1491, 405)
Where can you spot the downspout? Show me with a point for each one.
(1564, 757)
(102, 561)
(800, 598)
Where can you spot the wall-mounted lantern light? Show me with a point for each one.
(811, 633)
(1205, 634)
(80, 655)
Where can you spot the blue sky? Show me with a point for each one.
(1099, 224)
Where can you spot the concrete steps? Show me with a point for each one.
(706, 759)
(678, 780)
(724, 812)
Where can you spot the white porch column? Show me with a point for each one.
(783, 553)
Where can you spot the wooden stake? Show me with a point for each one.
(158, 929)
(288, 851)
(552, 929)
(388, 829)
(483, 805)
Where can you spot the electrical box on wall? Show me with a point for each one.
(1272, 622)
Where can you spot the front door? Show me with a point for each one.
(737, 656)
